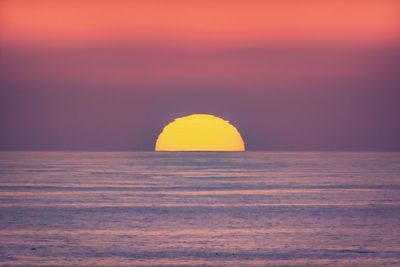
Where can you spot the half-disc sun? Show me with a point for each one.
(200, 132)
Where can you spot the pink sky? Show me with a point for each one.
(110, 74)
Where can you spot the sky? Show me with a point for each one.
(289, 74)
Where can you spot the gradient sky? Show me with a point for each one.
(290, 74)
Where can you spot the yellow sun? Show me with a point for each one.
(199, 132)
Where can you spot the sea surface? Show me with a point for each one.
(199, 209)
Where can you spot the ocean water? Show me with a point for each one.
(199, 209)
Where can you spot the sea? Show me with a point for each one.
(199, 208)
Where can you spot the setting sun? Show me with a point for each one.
(200, 132)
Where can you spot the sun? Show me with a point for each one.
(200, 132)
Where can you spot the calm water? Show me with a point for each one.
(202, 209)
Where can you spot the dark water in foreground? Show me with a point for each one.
(202, 209)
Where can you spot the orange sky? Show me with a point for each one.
(287, 21)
